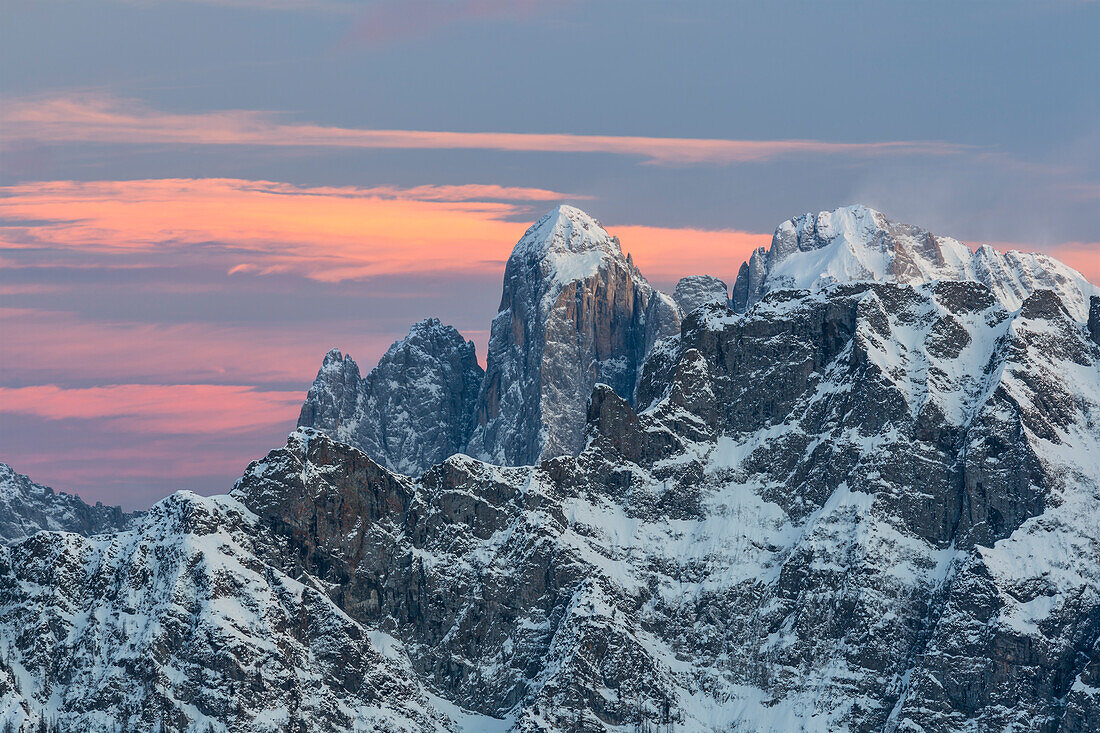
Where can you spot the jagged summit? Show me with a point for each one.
(574, 311)
(856, 243)
(567, 245)
(27, 507)
(566, 229)
(412, 410)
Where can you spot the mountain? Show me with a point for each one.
(855, 243)
(860, 506)
(575, 311)
(694, 291)
(178, 624)
(412, 410)
(27, 507)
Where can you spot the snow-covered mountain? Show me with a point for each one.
(855, 243)
(575, 311)
(858, 506)
(179, 624)
(27, 507)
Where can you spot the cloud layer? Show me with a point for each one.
(328, 234)
(104, 119)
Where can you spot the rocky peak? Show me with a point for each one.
(27, 507)
(574, 310)
(695, 290)
(412, 410)
(564, 231)
(859, 244)
(332, 398)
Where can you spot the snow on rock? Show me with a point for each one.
(178, 624)
(837, 512)
(860, 506)
(856, 243)
(575, 311)
(27, 507)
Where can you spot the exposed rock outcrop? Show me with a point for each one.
(412, 410)
(575, 311)
(694, 291)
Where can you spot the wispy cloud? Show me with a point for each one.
(100, 119)
(324, 233)
(58, 346)
(159, 408)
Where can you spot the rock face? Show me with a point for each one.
(1094, 318)
(178, 624)
(856, 243)
(697, 290)
(575, 311)
(862, 509)
(412, 410)
(864, 506)
(27, 507)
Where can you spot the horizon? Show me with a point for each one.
(185, 234)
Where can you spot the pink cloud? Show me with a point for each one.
(91, 118)
(665, 254)
(45, 346)
(158, 408)
(327, 234)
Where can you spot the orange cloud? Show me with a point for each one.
(328, 234)
(665, 254)
(92, 118)
(158, 408)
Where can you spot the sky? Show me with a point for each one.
(198, 198)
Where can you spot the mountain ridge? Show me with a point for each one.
(856, 242)
(27, 507)
(864, 506)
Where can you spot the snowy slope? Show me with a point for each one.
(178, 624)
(855, 243)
